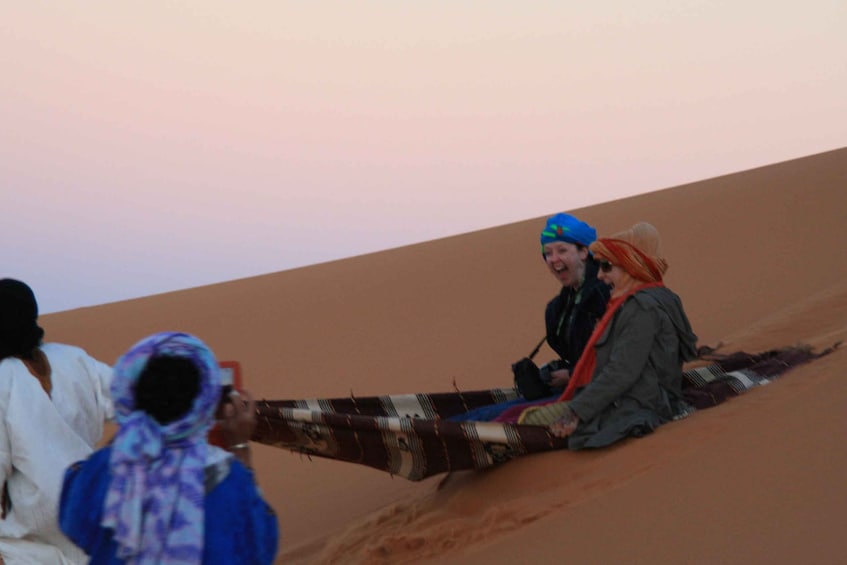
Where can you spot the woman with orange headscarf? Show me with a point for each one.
(628, 380)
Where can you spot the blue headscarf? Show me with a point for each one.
(567, 228)
(154, 502)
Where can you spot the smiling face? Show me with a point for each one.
(620, 282)
(566, 262)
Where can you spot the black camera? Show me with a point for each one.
(528, 380)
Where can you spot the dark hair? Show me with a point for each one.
(167, 387)
(20, 333)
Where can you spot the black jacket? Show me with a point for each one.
(582, 309)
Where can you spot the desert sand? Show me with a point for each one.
(756, 257)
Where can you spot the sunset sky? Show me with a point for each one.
(152, 146)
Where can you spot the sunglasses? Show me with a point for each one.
(605, 266)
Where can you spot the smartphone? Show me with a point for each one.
(230, 380)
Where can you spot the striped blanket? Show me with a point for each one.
(408, 435)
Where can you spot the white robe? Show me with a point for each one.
(40, 436)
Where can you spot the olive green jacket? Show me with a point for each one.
(637, 381)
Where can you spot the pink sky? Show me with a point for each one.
(152, 146)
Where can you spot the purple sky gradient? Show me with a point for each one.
(152, 146)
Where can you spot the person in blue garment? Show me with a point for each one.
(160, 493)
(570, 316)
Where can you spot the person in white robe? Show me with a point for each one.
(54, 401)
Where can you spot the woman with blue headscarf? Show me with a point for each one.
(160, 493)
(570, 316)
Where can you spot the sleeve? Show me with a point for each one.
(81, 502)
(564, 364)
(261, 531)
(5, 445)
(240, 526)
(631, 345)
(102, 374)
(69, 521)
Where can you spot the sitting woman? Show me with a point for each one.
(571, 315)
(629, 379)
(160, 493)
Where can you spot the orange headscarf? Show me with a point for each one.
(635, 250)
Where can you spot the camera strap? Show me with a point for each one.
(537, 347)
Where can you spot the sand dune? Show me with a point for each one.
(756, 258)
(755, 480)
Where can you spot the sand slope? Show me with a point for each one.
(756, 258)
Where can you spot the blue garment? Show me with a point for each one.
(239, 526)
(490, 412)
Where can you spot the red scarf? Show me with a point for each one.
(584, 370)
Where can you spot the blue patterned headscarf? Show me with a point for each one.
(567, 228)
(154, 502)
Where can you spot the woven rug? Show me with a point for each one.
(408, 435)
